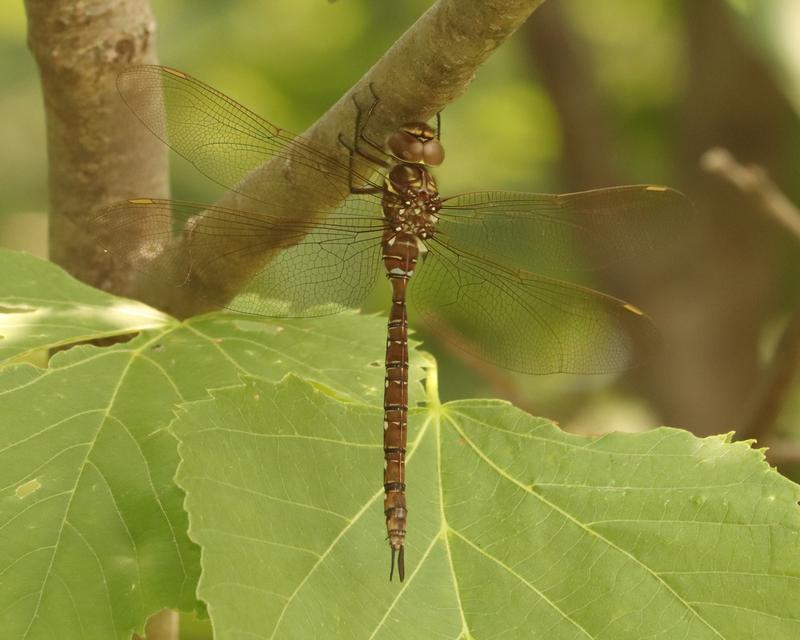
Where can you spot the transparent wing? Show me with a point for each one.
(557, 234)
(312, 269)
(523, 321)
(221, 138)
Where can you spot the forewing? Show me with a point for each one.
(561, 234)
(523, 321)
(221, 138)
(298, 268)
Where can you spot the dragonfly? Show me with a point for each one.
(484, 269)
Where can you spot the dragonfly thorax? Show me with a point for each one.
(411, 200)
(407, 179)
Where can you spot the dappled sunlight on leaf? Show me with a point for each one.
(43, 307)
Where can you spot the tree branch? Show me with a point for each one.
(95, 154)
(427, 68)
(776, 382)
(754, 182)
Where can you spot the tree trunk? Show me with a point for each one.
(98, 152)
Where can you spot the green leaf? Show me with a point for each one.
(93, 536)
(92, 530)
(42, 306)
(517, 530)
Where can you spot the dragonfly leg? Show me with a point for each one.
(438, 125)
(361, 134)
(354, 150)
(354, 188)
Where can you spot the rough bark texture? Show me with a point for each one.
(97, 151)
(443, 48)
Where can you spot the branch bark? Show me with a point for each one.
(427, 68)
(95, 155)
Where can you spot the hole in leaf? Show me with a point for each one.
(106, 341)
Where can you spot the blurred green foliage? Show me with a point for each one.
(289, 61)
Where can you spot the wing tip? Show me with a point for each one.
(668, 192)
(633, 309)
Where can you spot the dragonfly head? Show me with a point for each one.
(416, 142)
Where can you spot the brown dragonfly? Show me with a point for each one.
(489, 261)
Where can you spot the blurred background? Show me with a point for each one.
(587, 94)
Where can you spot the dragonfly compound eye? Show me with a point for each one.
(433, 153)
(404, 146)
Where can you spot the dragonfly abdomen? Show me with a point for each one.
(400, 254)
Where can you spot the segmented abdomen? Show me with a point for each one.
(399, 256)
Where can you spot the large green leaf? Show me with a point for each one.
(517, 530)
(92, 529)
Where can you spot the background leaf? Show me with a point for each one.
(92, 529)
(516, 528)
